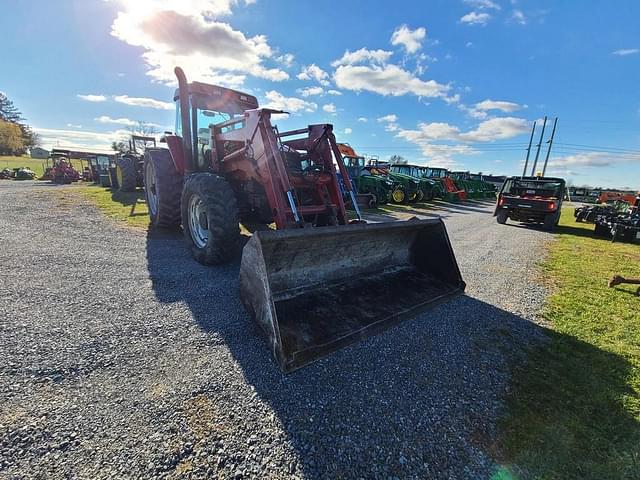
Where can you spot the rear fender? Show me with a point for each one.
(176, 147)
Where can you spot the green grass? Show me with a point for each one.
(37, 165)
(574, 410)
(126, 207)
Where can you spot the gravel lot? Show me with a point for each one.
(120, 357)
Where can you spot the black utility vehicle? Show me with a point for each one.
(531, 200)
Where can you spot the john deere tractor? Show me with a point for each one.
(365, 182)
(406, 189)
(427, 188)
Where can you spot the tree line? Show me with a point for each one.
(16, 137)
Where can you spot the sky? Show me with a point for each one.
(453, 83)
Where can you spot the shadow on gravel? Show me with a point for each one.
(419, 400)
(130, 199)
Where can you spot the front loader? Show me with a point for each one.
(317, 282)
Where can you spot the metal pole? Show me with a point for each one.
(535, 162)
(553, 132)
(526, 162)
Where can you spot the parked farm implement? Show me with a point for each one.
(378, 187)
(61, 171)
(129, 165)
(617, 223)
(316, 283)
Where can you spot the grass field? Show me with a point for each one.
(37, 165)
(127, 207)
(574, 411)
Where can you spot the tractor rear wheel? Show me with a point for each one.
(162, 189)
(126, 174)
(501, 216)
(428, 197)
(210, 218)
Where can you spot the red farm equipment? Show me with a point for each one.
(318, 282)
(61, 171)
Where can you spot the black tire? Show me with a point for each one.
(428, 197)
(165, 187)
(373, 201)
(550, 222)
(501, 216)
(218, 219)
(127, 175)
(419, 196)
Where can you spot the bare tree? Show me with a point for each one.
(397, 160)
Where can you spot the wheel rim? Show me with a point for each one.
(119, 176)
(398, 196)
(198, 222)
(150, 188)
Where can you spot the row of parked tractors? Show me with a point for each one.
(619, 221)
(379, 182)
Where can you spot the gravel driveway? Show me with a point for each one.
(120, 357)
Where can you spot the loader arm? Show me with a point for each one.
(297, 174)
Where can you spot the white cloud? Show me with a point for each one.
(93, 98)
(80, 139)
(392, 127)
(277, 101)
(143, 102)
(626, 51)
(411, 40)
(347, 131)
(314, 72)
(72, 125)
(475, 18)
(116, 121)
(386, 80)
(310, 91)
(388, 118)
(499, 105)
(592, 159)
(496, 129)
(363, 119)
(469, 44)
(361, 56)
(329, 108)
(489, 130)
(483, 4)
(186, 33)
(452, 99)
(518, 16)
(334, 92)
(287, 59)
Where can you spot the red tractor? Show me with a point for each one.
(62, 171)
(317, 282)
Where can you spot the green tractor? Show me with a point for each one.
(427, 188)
(365, 182)
(406, 189)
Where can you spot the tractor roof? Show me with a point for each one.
(213, 97)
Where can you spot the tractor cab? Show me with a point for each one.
(208, 106)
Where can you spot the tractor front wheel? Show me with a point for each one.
(398, 196)
(210, 218)
(126, 174)
(162, 189)
(419, 195)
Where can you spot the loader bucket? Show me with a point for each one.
(316, 290)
